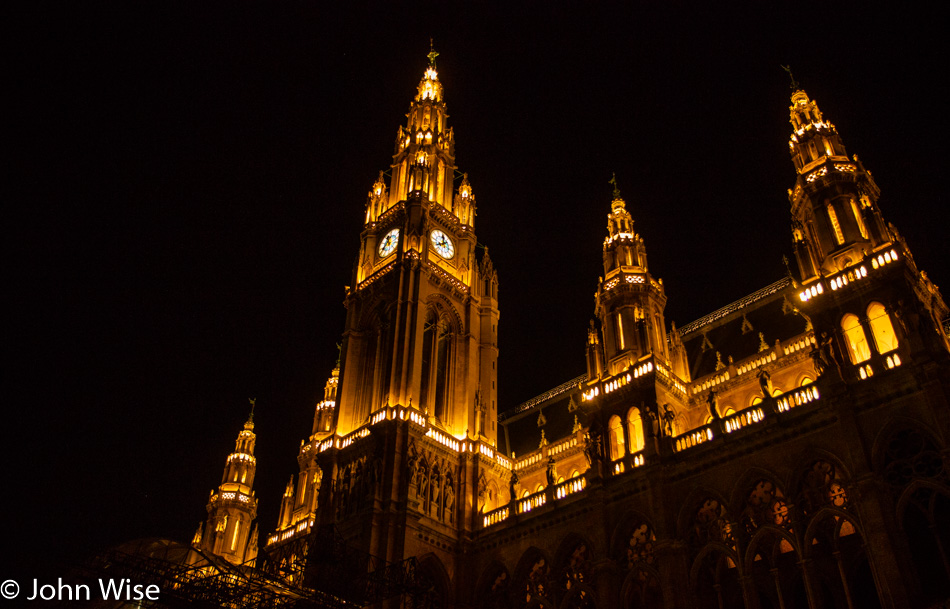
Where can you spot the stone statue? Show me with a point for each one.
(512, 483)
(712, 402)
(668, 417)
(765, 383)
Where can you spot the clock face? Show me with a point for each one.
(442, 244)
(388, 245)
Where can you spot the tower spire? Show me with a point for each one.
(438, 346)
(794, 84)
(432, 54)
(613, 181)
(629, 302)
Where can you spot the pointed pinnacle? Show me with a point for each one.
(432, 53)
(794, 84)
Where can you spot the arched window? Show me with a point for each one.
(615, 436)
(881, 328)
(835, 225)
(234, 537)
(436, 353)
(854, 338)
(635, 430)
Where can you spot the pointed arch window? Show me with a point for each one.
(436, 354)
(620, 341)
(635, 430)
(854, 338)
(835, 225)
(881, 328)
(615, 438)
(234, 537)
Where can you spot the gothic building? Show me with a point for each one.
(787, 450)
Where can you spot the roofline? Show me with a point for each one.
(547, 395)
(743, 302)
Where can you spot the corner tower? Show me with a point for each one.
(835, 217)
(422, 313)
(859, 284)
(230, 531)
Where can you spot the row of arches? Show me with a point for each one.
(625, 436)
(793, 543)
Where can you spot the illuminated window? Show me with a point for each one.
(615, 433)
(635, 430)
(854, 338)
(828, 150)
(234, 538)
(620, 331)
(881, 328)
(839, 236)
(806, 381)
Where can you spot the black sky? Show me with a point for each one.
(189, 184)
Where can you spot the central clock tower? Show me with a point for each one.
(422, 312)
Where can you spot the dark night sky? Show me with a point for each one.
(189, 185)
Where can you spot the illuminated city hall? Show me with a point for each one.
(786, 450)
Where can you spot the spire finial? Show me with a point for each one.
(432, 53)
(253, 402)
(613, 181)
(794, 84)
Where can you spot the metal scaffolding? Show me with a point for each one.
(325, 573)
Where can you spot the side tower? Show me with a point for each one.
(230, 531)
(629, 353)
(629, 302)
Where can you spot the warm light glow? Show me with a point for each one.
(839, 235)
(881, 328)
(857, 343)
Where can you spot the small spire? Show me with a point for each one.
(250, 418)
(613, 181)
(432, 53)
(794, 83)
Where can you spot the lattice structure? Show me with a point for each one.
(187, 577)
(547, 395)
(756, 296)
